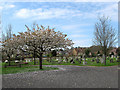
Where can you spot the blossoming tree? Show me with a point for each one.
(43, 39)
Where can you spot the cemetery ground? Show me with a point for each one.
(61, 75)
(68, 76)
(29, 67)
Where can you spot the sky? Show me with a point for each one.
(76, 19)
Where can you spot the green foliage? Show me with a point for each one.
(87, 51)
(49, 55)
(98, 52)
(118, 51)
(54, 53)
(93, 55)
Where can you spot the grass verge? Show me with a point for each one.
(10, 70)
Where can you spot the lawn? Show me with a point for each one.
(89, 63)
(10, 70)
(30, 66)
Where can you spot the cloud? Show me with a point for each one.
(41, 13)
(82, 43)
(10, 6)
(6, 6)
(110, 10)
(1, 7)
(61, 0)
(96, 0)
(49, 13)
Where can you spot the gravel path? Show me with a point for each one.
(66, 77)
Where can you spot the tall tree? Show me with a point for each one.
(7, 50)
(44, 40)
(105, 35)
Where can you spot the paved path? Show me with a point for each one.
(67, 77)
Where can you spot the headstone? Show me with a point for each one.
(26, 60)
(16, 61)
(92, 60)
(71, 60)
(97, 60)
(66, 59)
(57, 59)
(80, 59)
(84, 61)
(101, 60)
(111, 60)
(77, 59)
(118, 59)
(103, 57)
(6, 61)
(112, 56)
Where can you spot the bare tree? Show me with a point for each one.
(105, 35)
(6, 44)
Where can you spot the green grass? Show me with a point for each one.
(89, 63)
(29, 68)
(10, 70)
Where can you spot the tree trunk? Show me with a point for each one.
(34, 61)
(34, 58)
(50, 59)
(9, 60)
(40, 61)
(105, 60)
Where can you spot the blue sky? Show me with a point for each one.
(76, 19)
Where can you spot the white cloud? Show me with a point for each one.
(4, 6)
(10, 6)
(61, 0)
(109, 10)
(46, 13)
(1, 7)
(82, 43)
(96, 0)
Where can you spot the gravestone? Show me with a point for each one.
(16, 61)
(57, 60)
(111, 60)
(97, 60)
(72, 61)
(66, 59)
(84, 61)
(101, 60)
(80, 59)
(77, 59)
(6, 61)
(92, 60)
(118, 59)
(112, 56)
